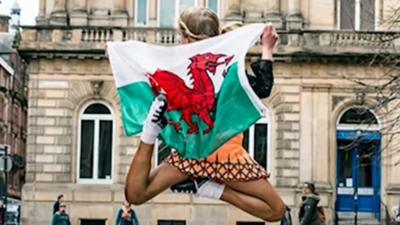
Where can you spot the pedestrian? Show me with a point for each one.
(19, 214)
(2, 213)
(251, 192)
(395, 214)
(309, 213)
(61, 217)
(56, 206)
(126, 215)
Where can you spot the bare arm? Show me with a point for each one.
(269, 40)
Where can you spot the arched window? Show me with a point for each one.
(256, 142)
(358, 118)
(95, 145)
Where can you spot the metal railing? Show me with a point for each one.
(59, 38)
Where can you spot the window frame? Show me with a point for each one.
(263, 120)
(357, 15)
(96, 118)
(177, 4)
(218, 7)
(355, 126)
(147, 14)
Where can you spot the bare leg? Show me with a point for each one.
(258, 198)
(141, 185)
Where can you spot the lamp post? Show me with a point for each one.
(357, 164)
(356, 189)
(5, 150)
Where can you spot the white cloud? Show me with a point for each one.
(29, 10)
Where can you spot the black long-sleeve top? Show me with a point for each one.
(263, 80)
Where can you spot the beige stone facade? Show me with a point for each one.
(314, 67)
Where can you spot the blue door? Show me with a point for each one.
(358, 172)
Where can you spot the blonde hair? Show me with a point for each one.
(198, 23)
(231, 26)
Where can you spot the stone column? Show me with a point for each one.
(58, 13)
(59, 5)
(306, 130)
(294, 18)
(120, 6)
(273, 7)
(79, 5)
(321, 113)
(42, 8)
(232, 10)
(120, 13)
(41, 19)
(253, 10)
(273, 13)
(79, 12)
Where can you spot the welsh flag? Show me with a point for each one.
(208, 95)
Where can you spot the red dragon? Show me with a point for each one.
(198, 100)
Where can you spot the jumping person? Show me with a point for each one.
(249, 191)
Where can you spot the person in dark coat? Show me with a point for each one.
(2, 213)
(309, 214)
(126, 215)
(61, 217)
(56, 206)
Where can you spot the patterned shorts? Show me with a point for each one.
(231, 162)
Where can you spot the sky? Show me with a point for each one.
(29, 10)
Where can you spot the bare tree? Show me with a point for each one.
(384, 89)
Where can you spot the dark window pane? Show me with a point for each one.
(367, 151)
(367, 14)
(250, 223)
(358, 116)
(261, 144)
(163, 152)
(97, 109)
(105, 146)
(171, 222)
(345, 161)
(246, 140)
(347, 14)
(86, 158)
(93, 222)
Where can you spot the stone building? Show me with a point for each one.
(76, 145)
(13, 114)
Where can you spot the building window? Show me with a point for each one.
(213, 5)
(256, 142)
(357, 14)
(250, 223)
(358, 115)
(142, 12)
(96, 137)
(171, 222)
(93, 222)
(169, 11)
